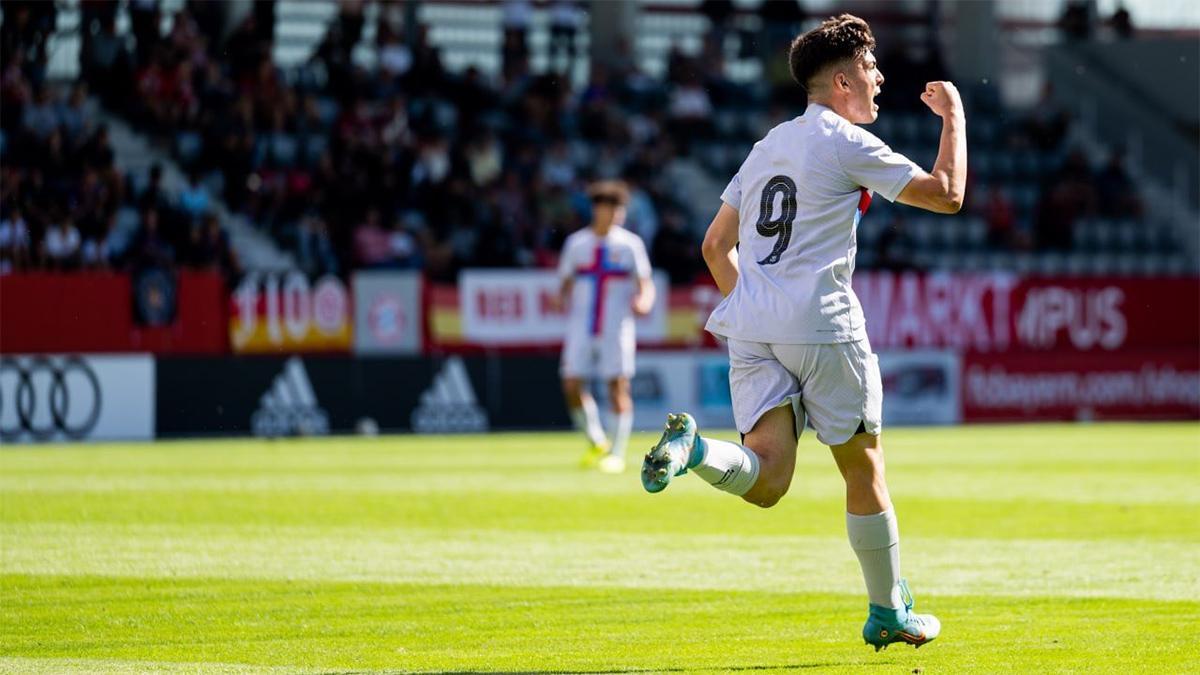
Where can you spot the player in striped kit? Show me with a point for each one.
(781, 249)
(605, 277)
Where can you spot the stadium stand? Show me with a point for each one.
(356, 137)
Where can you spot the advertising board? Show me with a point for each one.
(76, 398)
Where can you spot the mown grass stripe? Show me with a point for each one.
(1012, 567)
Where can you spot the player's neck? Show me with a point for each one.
(601, 230)
(832, 105)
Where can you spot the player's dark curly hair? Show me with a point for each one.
(837, 38)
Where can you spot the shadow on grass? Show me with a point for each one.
(721, 669)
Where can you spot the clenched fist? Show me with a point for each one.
(942, 98)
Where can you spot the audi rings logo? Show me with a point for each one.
(43, 396)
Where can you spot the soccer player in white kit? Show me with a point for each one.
(781, 248)
(605, 276)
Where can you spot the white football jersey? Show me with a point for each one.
(799, 196)
(605, 270)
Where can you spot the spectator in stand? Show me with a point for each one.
(395, 58)
(379, 247)
(674, 250)
(76, 114)
(1001, 219)
(691, 110)
(15, 91)
(895, 248)
(1122, 23)
(210, 248)
(61, 246)
(14, 241)
(781, 22)
(40, 118)
(97, 251)
(1070, 195)
(558, 167)
(484, 159)
(104, 60)
(371, 243)
(152, 195)
(314, 248)
(517, 15)
(566, 16)
(719, 14)
(1076, 20)
(1118, 198)
(145, 20)
(483, 171)
(149, 247)
(194, 200)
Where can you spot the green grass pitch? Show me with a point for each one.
(1042, 548)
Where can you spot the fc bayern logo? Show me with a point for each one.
(386, 319)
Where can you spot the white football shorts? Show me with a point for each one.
(589, 356)
(837, 386)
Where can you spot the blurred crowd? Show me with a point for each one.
(408, 164)
(62, 194)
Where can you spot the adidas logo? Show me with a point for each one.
(290, 406)
(449, 404)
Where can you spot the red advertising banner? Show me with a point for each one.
(1005, 313)
(997, 313)
(1162, 384)
(45, 312)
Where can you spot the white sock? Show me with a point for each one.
(876, 541)
(622, 424)
(587, 420)
(727, 466)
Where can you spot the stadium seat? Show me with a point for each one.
(922, 231)
(909, 128)
(1024, 263)
(1077, 263)
(1050, 264)
(885, 128)
(1005, 165)
(981, 164)
(1126, 235)
(975, 230)
(971, 261)
(1103, 264)
(1128, 264)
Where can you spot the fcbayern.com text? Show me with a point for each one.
(994, 387)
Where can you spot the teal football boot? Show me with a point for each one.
(886, 625)
(674, 454)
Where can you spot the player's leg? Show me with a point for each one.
(583, 410)
(772, 442)
(843, 397)
(620, 424)
(759, 469)
(616, 365)
(581, 406)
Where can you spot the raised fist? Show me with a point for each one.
(942, 98)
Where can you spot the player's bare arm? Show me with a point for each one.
(942, 190)
(720, 248)
(643, 298)
(564, 293)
